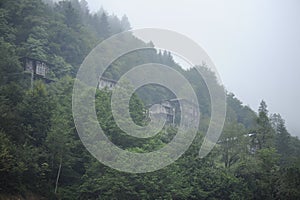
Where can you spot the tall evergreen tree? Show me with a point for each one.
(104, 26)
(125, 23)
(264, 133)
(282, 138)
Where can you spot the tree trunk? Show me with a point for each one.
(58, 174)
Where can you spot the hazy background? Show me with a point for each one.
(255, 44)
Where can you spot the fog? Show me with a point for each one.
(255, 45)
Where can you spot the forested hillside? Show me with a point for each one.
(42, 157)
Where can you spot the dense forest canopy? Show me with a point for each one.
(42, 156)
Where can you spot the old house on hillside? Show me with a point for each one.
(37, 68)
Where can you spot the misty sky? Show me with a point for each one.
(254, 44)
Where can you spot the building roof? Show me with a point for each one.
(35, 59)
(107, 79)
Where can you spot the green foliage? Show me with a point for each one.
(289, 182)
(233, 144)
(40, 150)
(263, 133)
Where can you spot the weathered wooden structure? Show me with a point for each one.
(191, 111)
(37, 68)
(163, 109)
(106, 83)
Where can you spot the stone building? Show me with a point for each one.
(106, 83)
(163, 109)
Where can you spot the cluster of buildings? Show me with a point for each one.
(166, 108)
